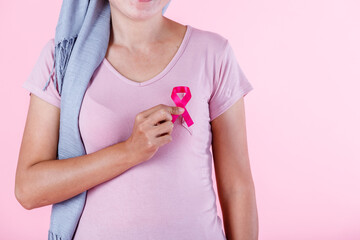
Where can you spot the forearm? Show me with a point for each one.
(53, 181)
(240, 214)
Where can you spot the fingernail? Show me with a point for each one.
(181, 109)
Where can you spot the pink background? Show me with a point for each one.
(303, 59)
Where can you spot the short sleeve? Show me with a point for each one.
(230, 83)
(40, 74)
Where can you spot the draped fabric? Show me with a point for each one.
(81, 41)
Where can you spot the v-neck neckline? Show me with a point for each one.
(163, 72)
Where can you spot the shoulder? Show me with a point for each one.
(49, 48)
(46, 56)
(209, 41)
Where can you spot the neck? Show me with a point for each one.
(136, 33)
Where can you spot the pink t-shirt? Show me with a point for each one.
(171, 195)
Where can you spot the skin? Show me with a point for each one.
(143, 37)
(233, 174)
(147, 40)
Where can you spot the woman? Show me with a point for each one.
(146, 177)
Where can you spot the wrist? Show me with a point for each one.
(130, 155)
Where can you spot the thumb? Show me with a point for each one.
(177, 110)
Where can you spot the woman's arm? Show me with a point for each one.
(233, 174)
(41, 179)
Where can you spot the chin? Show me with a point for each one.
(138, 9)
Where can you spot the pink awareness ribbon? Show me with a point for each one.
(182, 102)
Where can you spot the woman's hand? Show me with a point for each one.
(152, 129)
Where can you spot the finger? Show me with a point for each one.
(164, 128)
(149, 111)
(171, 109)
(162, 140)
(158, 117)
